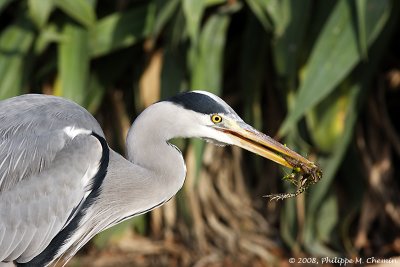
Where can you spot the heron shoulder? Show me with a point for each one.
(42, 113)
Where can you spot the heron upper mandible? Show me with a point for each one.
(61, 184)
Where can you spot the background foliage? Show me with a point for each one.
(323, 75)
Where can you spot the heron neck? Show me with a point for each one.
(147, 142)
(153, 172)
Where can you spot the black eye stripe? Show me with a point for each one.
(199, 103)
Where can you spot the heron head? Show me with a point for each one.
(202, 114)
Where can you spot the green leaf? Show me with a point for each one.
(327, 120)
(172, 73)
(48, 34)
(3, 4)
(213, 2)
(207, 72)
(252, 66)
(361, 10)
(277, 12)
(164, 14)
(94, 94)
(334, 56)
(329, 166)
(15, 43)
(121, 30)
(80, 10)
(328, 218)
(361, 80)
(40, 10)
(289, 227)
(198, 147)
(257, 7)
(193, 11)
(73, 64)
(289, 34)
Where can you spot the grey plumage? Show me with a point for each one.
(60, 183)
(34, 148)
(53, 136)
(32, 127)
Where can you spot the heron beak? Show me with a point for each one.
(246, 137)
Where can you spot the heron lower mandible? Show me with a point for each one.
(61, 184)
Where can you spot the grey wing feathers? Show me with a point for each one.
(23, 155)
(31, 133)
(45, 170)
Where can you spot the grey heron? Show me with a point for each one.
(61, 184)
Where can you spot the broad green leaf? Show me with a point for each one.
(276, 12)
(328, 218)
(257, 7)
(3, 4)
(173, 82)
(15, 43)
(94, 94)
(289, 225)
(327, 120)
(178, 33)
(121, 30)
(288, 37)
(183, 207)
(361, 11)
(334, 56)
(198, 147)
(321, 12)
(193, 11)
(80, 10)
(208, 71)
(73, 63)
(164, 15)
(362, 77)
(40, 10)
(271, 13)
(172, 73)
(252, 66)
(213, 2)
(329, 166)
(48, 34)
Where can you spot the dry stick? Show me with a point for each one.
(191, 193)
(216, 209)
(387, 125)
(120, 116)
(235, 211)
(368, 212)
(208, 260)
(170, 218)
(377, 164)
(156, 222)
(384, 166)
(228, 236)
(238, 176)
(257, 250)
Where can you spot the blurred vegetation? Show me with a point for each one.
(321, 76)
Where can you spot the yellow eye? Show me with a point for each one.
(216, 118)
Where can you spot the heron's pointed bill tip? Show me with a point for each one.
(304, 172)
(246, 137)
